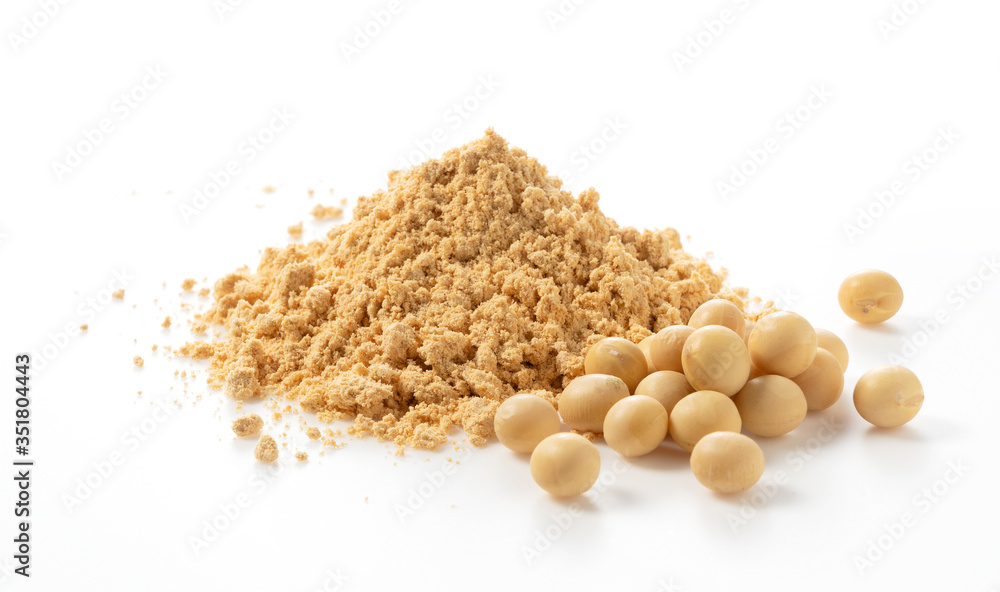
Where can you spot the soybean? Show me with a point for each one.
(585, 401)
(870, 296)
(888, 396)
(635, 426)
(716, 359)
(524, 420)
(565, 464)
(667, 345)
(829, 341)
(718, 312)
(701, 413)
(782, 343)
(666, 386)
(771, 405)
(726, 462)
(822, 382)
(617, 357)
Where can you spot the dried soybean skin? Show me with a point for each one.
(466, 280)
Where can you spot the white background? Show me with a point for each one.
(782, 234)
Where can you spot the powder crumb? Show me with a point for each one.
(118, 294)
(266, 450)
(312, 433)
(310, 192)
(166, 323)
(204, 293)
(247, 425)
(301, 456)
(241, 383)
(199, 328)
(138, 361)
(188, 284)
(295, 231)
(321, 212)
(84, 327)
(155, 347)
(467, 280)
(269, 189)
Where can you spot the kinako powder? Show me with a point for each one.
(467, 280)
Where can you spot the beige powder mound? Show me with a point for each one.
(467, 280)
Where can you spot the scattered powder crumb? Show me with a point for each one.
(155, 347)
(204, 292)
(266, 449)
(310, 192)
(188, 284)
(295, 231)
(199, 328)
(247, 425)
(138, 361)
(118, 294)
(343, 201)
(139, 393)
(313, 433)
(301, 456)
(269, 189)
(84, 327)
(166, 323)
(321, 212)
(467, 280)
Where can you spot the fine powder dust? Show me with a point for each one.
(467, 280)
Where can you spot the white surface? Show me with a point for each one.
(782, 235)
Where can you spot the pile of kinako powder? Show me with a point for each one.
(467, 280)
